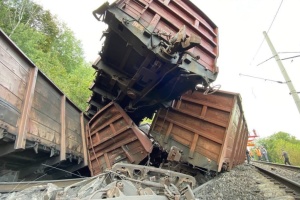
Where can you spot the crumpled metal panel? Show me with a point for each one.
(112, 137)
(153, 52)
(123, 181)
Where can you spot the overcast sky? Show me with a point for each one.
(268, 106)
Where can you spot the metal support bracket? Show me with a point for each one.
(36, 147)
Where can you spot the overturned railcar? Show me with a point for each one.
(112, 137)
(40, 128)
(153, 52)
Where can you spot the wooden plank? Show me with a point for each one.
(63, 147)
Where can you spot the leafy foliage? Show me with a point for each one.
(50, 44)
(281, 140)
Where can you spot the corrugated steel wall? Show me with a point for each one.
(113, 137)
(209, 129)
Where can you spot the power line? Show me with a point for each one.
(63, 170)
(265, 79)
(265, 61)
(288, 52)
(267, 30)
(291, 57)
(275, 16)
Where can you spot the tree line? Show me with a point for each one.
(274, 145)
(51, 45)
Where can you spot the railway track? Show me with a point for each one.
(286, 177)
(285, 167)
(7, 187)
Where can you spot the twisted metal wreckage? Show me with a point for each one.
(123, 181)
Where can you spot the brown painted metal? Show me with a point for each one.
(113, 137)
(154, 51)
(74, 143)
(170, 16)
(35, 115)
(21, 138)
(210, 130)
(84, 147)
(63, 129)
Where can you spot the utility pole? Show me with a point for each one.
(284, 73)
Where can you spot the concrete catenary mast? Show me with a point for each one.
(283, 71)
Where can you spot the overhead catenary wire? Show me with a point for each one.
(45, 174)
(63, 170)
(265, 79)
(267, 31)
(291, 57)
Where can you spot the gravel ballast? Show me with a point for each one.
(243, 182)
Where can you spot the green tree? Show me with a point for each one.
(78, 84)
(278, 141)
(68, 48)
(50, 44)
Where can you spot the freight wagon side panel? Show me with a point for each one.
(237, 133)
(14, 77)
(74, 142)
(44, 123)
(242, 145)
(113, 137)
(38, 122)
(201, 126)
(237, 147)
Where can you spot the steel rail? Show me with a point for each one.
(6, 187)
(289, 167)
(284, 181)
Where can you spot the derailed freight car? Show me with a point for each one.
(113, 137)
(154, 51)
(39, 126)
(203, 131)
(198, 133)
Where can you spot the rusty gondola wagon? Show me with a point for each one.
(154, 55)
(39, 126)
